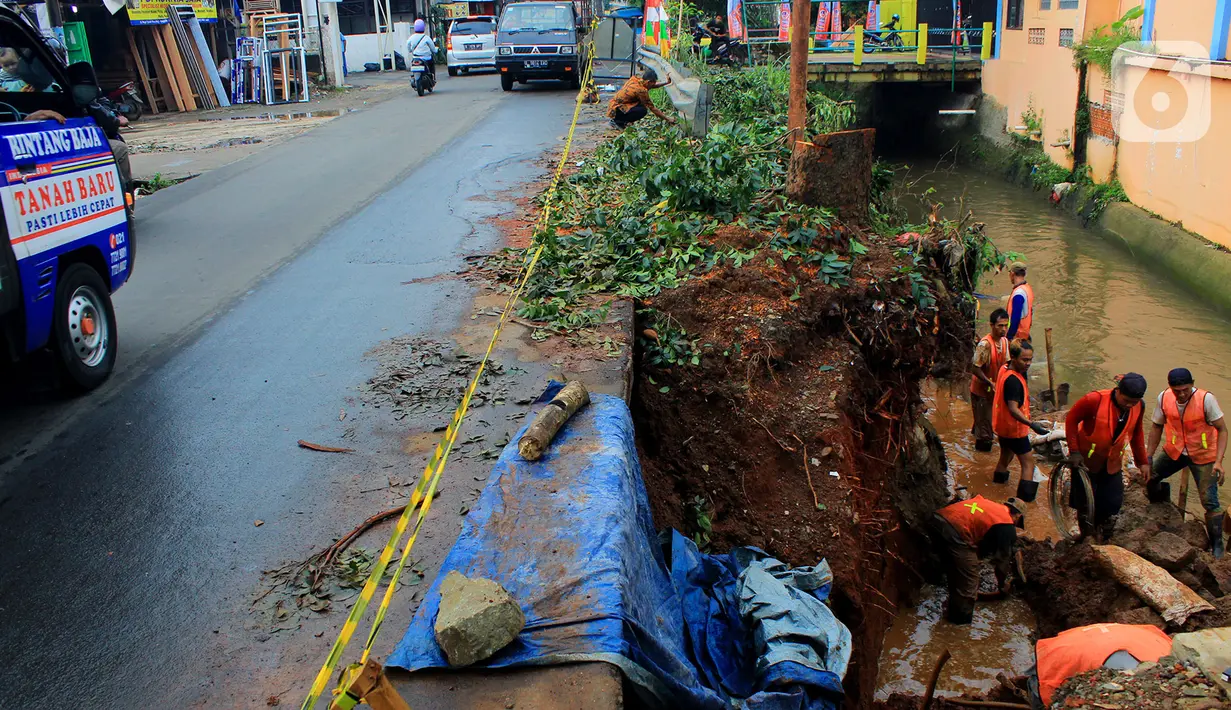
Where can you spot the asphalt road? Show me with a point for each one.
(128, 537)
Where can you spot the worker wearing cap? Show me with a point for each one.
(1097, 428)
(1021, 303)
(1193, 437)
(971, 530)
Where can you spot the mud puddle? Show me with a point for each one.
(997, 641)
(1000, 639)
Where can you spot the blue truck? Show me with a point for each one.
(68, 223)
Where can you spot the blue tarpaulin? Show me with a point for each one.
(571, 537)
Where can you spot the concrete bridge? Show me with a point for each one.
(904, 66)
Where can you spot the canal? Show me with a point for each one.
(1109, 314)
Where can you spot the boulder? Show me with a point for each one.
(1193, 531)
(1169, 551)
(1220, 572)
(477, 618)
(1209, 650)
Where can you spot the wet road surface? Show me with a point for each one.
(128, 522)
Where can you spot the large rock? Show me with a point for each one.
(1169, 551)
(477, 617)
(1209, 650)
(1220, 571)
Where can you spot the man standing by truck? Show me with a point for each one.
(632, 102)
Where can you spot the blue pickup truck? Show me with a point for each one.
(67, 215)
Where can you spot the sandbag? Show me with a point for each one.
(1169, 597)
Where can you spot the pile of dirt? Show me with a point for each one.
(1068, 587)
(799, 428)
(1166, 685)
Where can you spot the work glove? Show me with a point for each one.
(1075, 460)
(1039, 429)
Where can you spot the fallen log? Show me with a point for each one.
(565, 404)
(1172, 599)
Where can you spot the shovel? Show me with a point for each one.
(1058, 398)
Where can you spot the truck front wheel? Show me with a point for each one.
(84, 327)
(506, 82)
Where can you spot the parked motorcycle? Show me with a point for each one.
(127, 101)
(421, 78)
(887, 39)
(723, 50)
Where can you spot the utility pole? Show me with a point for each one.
(797, 106)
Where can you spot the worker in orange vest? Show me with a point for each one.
(1011, 414)
(1021, 303)
(1085, 648)
(1097, 428)
(1194, 437)
(991, 354)
(970, 530)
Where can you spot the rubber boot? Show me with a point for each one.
(1027, 490)
(1106, 529)
(1000, 477)
(1213, 525)
(984, 446)
(1159, 492)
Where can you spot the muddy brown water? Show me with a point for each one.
(1109, 314)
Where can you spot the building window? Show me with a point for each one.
(1044, 4)
(1066, 38)
(1068, 4)
(1013, 14)
(1038, 35)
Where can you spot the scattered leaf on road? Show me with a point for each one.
(258, 523)
(341, 415)
(321, 447)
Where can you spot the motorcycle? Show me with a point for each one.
(127, 101)
(421, 78)
(885, 40)
(723, 50)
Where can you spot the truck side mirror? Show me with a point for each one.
(82, 83)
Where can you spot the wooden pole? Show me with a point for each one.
(145, 79)
(797, 106)
(1051, 372)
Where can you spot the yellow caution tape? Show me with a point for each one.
(425, 489)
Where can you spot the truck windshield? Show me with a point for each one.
(527, 18)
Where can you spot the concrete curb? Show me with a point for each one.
(1187, 259)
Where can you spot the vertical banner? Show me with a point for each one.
(784, 22)
(656, 31)
(835, 20)
(822, 24)
(735, 22)
(873, 23)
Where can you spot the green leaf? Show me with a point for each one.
(857, 248)
(664, 389)
(826, 368)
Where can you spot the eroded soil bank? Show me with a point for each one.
(798, 426)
